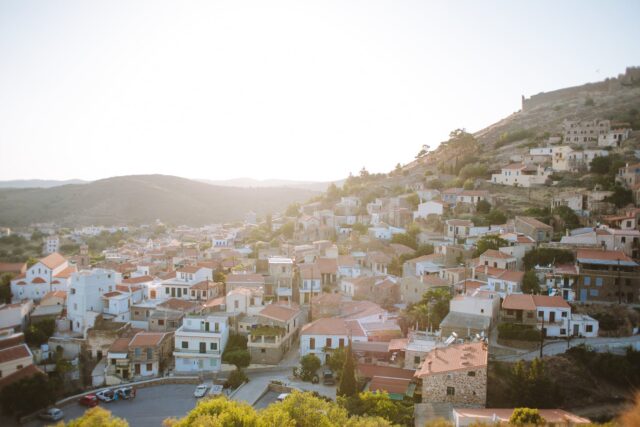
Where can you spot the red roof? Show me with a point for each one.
(54, 260)
(26, 372)
(14, 353)
(370, 371)
(389, 385)
(458, 357)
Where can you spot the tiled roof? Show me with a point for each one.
(333, 326)
(389, 385)
(54, 260)
(245, 278)
(280, 311)
(67, 272)
(147, 339)
(139, 279)
(370, 371)
(454, 358)
(608, 257)
(532, 302)
(533, 222)
(14, 353)
(492, 253)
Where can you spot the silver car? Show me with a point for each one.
(52, 414)
(201, 390)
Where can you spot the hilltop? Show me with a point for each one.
(141, 199)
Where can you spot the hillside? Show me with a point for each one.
(141, 199)
(270, 183)
(38, 183)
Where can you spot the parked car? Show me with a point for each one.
(200, 391)
(89, 400)
(216, 390)
(327, 377)
(51, 414)
(125, 393)
(106, 395)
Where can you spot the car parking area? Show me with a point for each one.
(151, 406)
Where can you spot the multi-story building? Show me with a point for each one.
(537, 230)
(310, 285)
(200, 342)
(186, 279)
(85, 300)
(51, 245)
(629, 175)
(51, 273)
(521, 175)
(149, 353)
(323, 335)
(281, 274)
(585, 131)
(607, 276)
(277, 328)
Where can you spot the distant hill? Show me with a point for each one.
(268, 183)
(141, 199)
(38, 183)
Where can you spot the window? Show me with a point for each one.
(598, 281)
(451, 391)
(185, 344)
(563, 331)
(594, 292)
(166, 291)
(160, 322)
(149, 353)
(236, 304)
(587, 280)
(149, 367)
(471, 373)
(530, 315)
(589, 328)
(341, 342)
(137, 352)
(312, 343)
(213, 346)
(564, 314)
(416, 359)
(328, 343)
(263, 350)
(540, 313)
(509, 312)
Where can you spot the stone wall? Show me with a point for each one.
(468, 390)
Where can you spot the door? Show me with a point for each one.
(137, 369)
(552, 316)
(519, 315)
(576, 330)
(203, 347)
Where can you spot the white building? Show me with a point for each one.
(186, 278)
(244, 301)
(329, 333)
(200, 342)
(614, 138)
(15, 316)
(521, 175)
(51, 245)
(51, 273)
(116, 306)
(432, 207)
(85, 299)
(566, 158)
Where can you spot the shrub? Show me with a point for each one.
(514, 331)
(236, 378)
(238, 357)
(309, 364)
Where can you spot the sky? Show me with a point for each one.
(303, 90)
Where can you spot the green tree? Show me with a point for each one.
(414, 200)
(483, 206)
(496, 217)
(530, 283)
(336, 360)
(378, 404)
(293, 210)
(405, 239)
(469, 184)
(5, 288)
(239, 358)
(348, 386)
(288, 229)
(547, 256)
(38, 333)
(333, 192)
(490, 241)
(309, 365)
(27, 395)
(236, 378)
(621, 197)
(601, 165)
(568, 216)
(434, 184)
(526, 416)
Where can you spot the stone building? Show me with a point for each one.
(456, 374)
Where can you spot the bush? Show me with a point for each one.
(38, 333)
(514, 331)
(509, 137)
(238, 357)
(546, 256)
(236, 379)
(309, 364)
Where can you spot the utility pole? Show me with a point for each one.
(619, 284)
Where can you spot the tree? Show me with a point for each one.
(414, 200)
(96, 417)
(288, 229)
(309, 365)
(547, 256)
(360, 228)
(239, 358)
(405, 239)
(568, 216)
(621, 197)
(530, 283)
(38, 333)
(336, 360)
(293, 210)
(395, 267)
(5, 288)
(526, 416)
(378, 404)
(496, 217)
(236, 378)
(483, 206)
(27, 395)
(469, 184)
(531, 387)
(490, 241)
(348, 385)
(333, 192)
(434, 184)
(600, 165)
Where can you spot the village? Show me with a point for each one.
(424, 282)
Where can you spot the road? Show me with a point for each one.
(151, 406)
(559, 347)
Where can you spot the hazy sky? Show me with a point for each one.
(280, 89)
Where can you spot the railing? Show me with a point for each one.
(191, 351)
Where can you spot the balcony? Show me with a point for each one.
(284, 292)
(192, 352)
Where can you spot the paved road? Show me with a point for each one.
(151, 406)
(559, 347)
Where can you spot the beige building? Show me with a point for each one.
(584, 131)
(521, 175)
(456, 374)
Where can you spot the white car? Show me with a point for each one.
(106, 395)
(283, 396)
(52, 414)
(201, 390)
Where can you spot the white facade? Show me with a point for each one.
(429, 208)
(85, 297)
(49, 274)
(15, 316)
(116, 306)
(186, 277)
(199, 343)
(51, 245)
(244, 301)
(521, 175)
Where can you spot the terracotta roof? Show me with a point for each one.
(533, 222)
(11, 340)
(14, 353)
(26, 372)
(38, 280)
(514, 166)
(433, 280)
(389, 385)
(128, 288)
(310, 271)
(54, 260)
(492, 253)
(245, 278)
(454, 358)
(214, 302)
(400, 249)
(139, 279)
(55, 294)
(67, 272)
(333, 326)
(460, 222)
(398, 344)
(280, 311)
(327, 265)
(112, 294)
(330, 299)
(351, 310)
(147, 339)
(178, 304)
(511, 276)
(204, 285)
(532, 302)
(594, 254)
(370, 371)
(12, 267)
(120, 345)
(189, 269)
